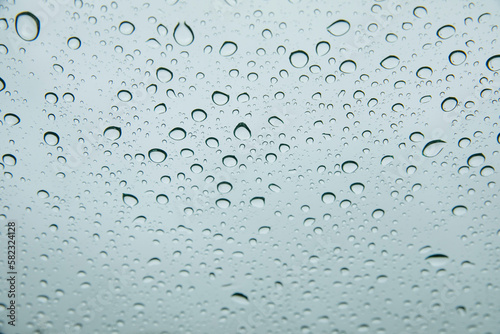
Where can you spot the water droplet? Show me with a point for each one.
(424, 72)
(51, 138)
(51, 98)
(223, 203)
(2, 84)
(154, 261)
(322, 48)
(177, 134)
(328, 198)
(43, 194)
(9, 160)
(446, 31)
(339, 28)
(457, 57)
(476, 160)
(275, 121)
(124, 96)
(126, 28)
(11, 119)
(433, 148)
(258, 202)
(112, 132)
(229, 161)
(299, 59)
(264, 230)
(212, 142)
(242, 132)
(487, 171)
(220, 98)
(449, 104)
(349, 167)
(183, 34)
(390, 62)
(130, 200)
(228, 49)
(224, 187)
(162, 199)
(157, 155)
(348, 66)
(437, 260)
(74, 43)
(160, 108)
(459, 210)
(164, 75)
(420, 12)
(378, 213)
(198, 115)
(464, 142)
(357, 188)
(493, 63)
(27, 26)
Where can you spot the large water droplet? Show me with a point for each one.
(459, 210)
(349, 167)
(51, 138)
(2, 84)
(348, 66)
(476, 160)
(11, 119)
(339, 28)
(9, 160)
(449, 104)
(177, 134)
(446, 31)
(433, 148)
(275, 121)
(224, 187)
(242, 132)
(493, 63)
(183, 34)
(457, 57)
(240, 298)
(264, 230)
(220, 98)
(112, 132)
(160, 108)
(322, 48)
(157, 155)
(228, 49)
(198, 115)
(357, 188)
(258, 202)
(126, 28)
(27, 26)
(154, 261)
(389, 62)
(130, 200)
(229, 161)
(424, 72)
(74, 43)
(437, 260)
(164, 75)
(328, 198)
(124, 96)
(299, 59)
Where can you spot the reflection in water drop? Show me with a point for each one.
(27, 26)
(183, 34)
(299, 59)
(339, 28)
(433, 148)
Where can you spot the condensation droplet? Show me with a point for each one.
(27, 26)
(433, 148)
(51, 138)
(339, 28)
(183, 34)
(157, 155)
(228, 48)
(299, 59)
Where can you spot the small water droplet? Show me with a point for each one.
(124, 96)
(322, 48)
(493, 63)
(220, 98)
(424, 72)
(449, 104)
(264, 230)
(349, 167)
(378, 213)
(51, 98)
(339, 28)
(198, 115)
(164, 75)
(126, 28)
(183, 34)
(242, 132)
(437, 260)
(177, 134)
(51, 138)
(157, 155)
(112, 132)
(357, 188)
(299, 59)
(347, 66)
(258, 202)
(328, 198)
(446, 31)
(74, 43)
(154, 261)
(457, 57)
(459, 210)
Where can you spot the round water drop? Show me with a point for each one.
(160, 108)
(446, 31)
(183, 34)
(420, 12)
(258, 202)
(130, 200)
(476, 160)
(154, 261)
(242, 132)
(240, 298)
(74, 43)
(328, 198)
(424, 72)
(449, 104)
(112, 132)
(224, 187)
(389, 62)
(212, 142)
(339, 28)
(347, 66)
(275, 121)
(198, 115)
(9, 160)
(11, 119)
(51, 98)
(457, 57)
(487, 171)
(27, 26)
(459, 210)
(229, 161)
(228, 49)
(177, 134)
(493, 63)
(51, 138)
(164, 75)
(349, 167)
(157, 155)
(223, 203)
(264, 230)
(162, 199)
(126, 28)
(68, 97)
(464, 142)
(220, 98)
(124, 96)
(357, 188)
(378, 213)
(43, 194)
(322, 48)
(299, 59)
(433, 148)
(437, 260)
